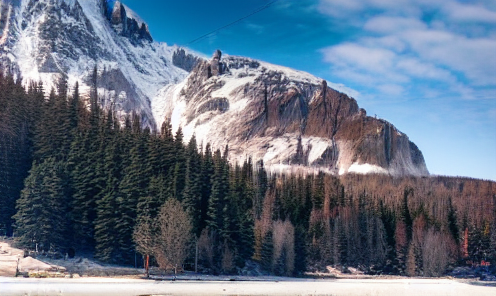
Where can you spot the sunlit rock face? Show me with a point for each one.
(291, 120)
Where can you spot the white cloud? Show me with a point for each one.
(474, 57)
(257, 29)
(370, 59)
(402, 41)
(343, 8)
(391, 89)
(416, 68)
(387, 24)
(470, 13)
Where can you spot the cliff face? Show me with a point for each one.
(289, 119)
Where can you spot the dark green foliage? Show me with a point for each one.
(267, 252)
(18, 116)
(180, 166)
(42, 209)
(192, 187)
(207, 172)
(219, 194)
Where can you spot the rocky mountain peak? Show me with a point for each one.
(127, 26)
(216, 66)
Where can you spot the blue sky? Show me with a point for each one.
(427, 66)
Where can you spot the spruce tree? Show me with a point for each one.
(180, 165)
(132, 187)
(192, 188)
(42, 217)
(220, 189)
(207, 173)
(105, 225)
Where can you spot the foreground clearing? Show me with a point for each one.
(124, 287)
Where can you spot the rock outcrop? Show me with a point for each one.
(185, 61)
(289, 119)
(128, 27)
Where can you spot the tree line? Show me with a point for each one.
(73, 175)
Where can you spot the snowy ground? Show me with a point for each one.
(124, 287)
(189, 284)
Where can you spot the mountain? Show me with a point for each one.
(289, 119)
(43, 38)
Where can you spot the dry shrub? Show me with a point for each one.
(227, 259)
(206, 245)
(410, 261)
(144, 236)
(264, 224)
(436, 252)
(175, 234)
(168, 238)
(283, 241)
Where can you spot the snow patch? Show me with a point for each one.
(317, 147)
(232, 84)
(365, 169)
(177, 115)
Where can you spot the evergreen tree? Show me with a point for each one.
(180, 165)
(42, 217)
(132, 187)
(207, 173)
(220, 189)
(192, 189)
(106, 243)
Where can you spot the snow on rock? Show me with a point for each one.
(46, 38)
(279, 115)
(366, 169)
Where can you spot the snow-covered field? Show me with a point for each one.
(205, 284)
(123, 287)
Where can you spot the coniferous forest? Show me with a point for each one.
(75, 176)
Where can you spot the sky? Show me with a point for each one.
(427, 66)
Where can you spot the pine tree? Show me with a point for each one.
(207, 173)
(192, 188)
(107, 216)
(220, 189)
(267, 252)
(132, 187)
(180, 165)
(42, 217)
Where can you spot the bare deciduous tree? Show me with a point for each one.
(167, 238)
(174, 236)
(206, 247)
(283, 239)
(436, 253)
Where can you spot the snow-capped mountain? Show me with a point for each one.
(43, 38)
(289, 119)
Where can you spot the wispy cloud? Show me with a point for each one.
(401, 42)
(257, 29)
